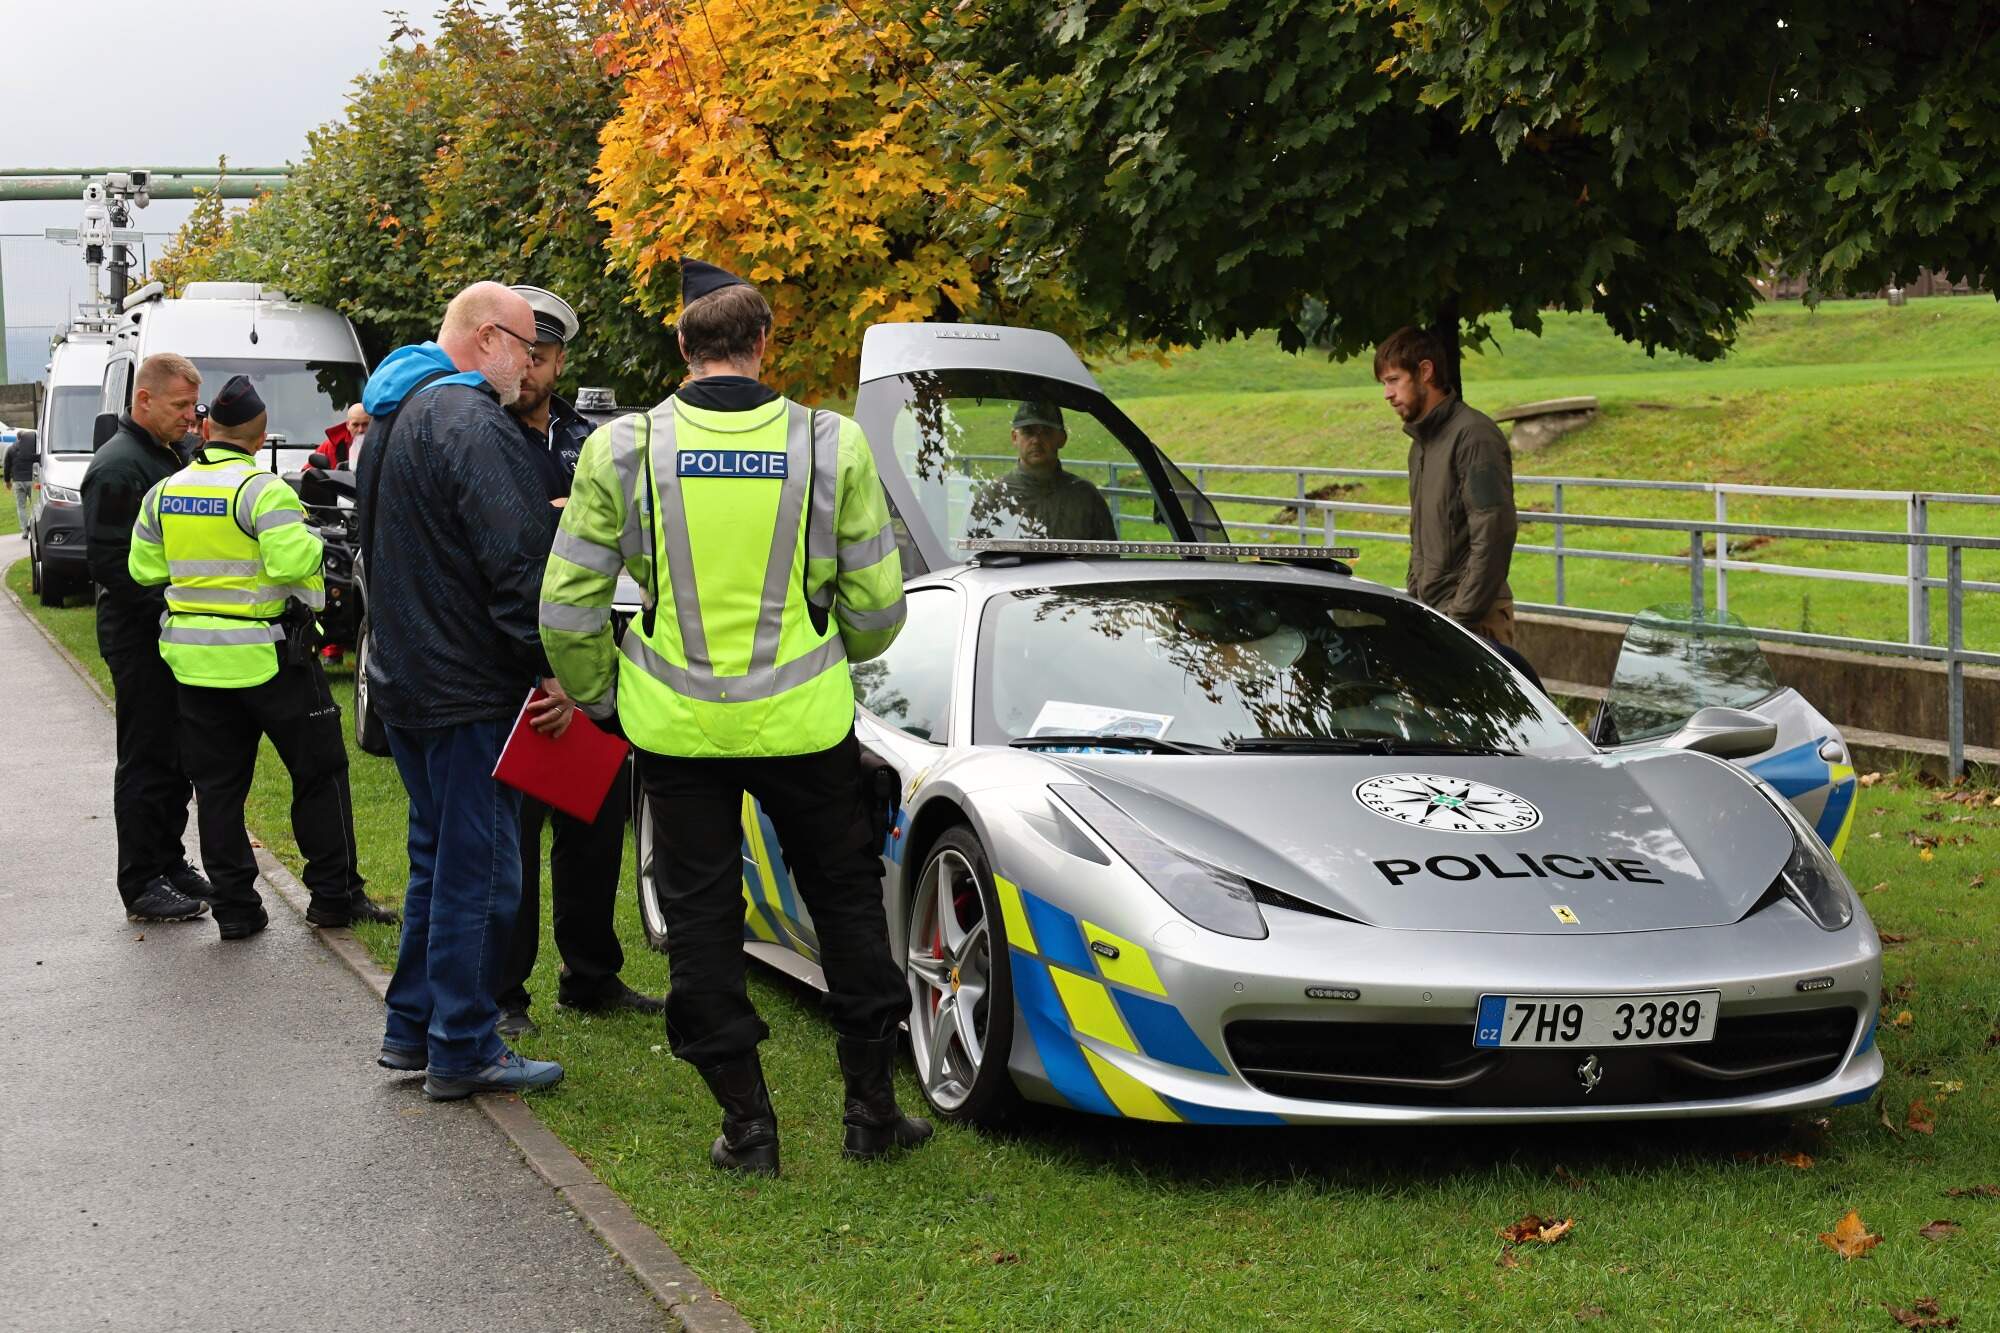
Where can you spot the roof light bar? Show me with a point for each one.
(1214, 550)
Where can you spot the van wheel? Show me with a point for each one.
(368, 733)
(34, 568)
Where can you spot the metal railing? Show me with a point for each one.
(1317, 519)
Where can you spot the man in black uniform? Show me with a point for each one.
(585, 860)
(150, 793)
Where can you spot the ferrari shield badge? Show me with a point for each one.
(1454, 805)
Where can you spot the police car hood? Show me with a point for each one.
(1655, 840)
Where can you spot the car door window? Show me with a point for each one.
(1674, 661)
(909, 687)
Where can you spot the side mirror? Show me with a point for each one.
(320, 460)
(1726, 733)
(106, 427)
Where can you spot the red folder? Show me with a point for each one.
(572, 773)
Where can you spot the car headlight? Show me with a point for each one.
(1206, 895)
(61, 495)
(1811, 878)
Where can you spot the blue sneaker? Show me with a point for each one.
(401, 1059)
(510, 1073)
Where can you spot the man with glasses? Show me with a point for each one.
(454, 534)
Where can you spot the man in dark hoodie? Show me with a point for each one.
(149, 792)
(454, 534)
(586, 859)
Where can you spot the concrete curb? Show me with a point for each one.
(686, 1298)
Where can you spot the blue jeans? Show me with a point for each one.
(465, 887)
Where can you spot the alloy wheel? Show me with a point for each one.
(950, 978)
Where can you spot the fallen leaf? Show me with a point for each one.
(1006, 1257)
(1948, 1086)
(1507, 1259)
(1534, 1229)
(1921, 1118)
(1803, 1161)
(1882, 1103)
(1573, 1181)
(139, 937)
(1901, 991)
(1850, 1237)
(1586, 1313)
(1869, 779)
(1923, 1315)
(1891, 939)
(1903, 1019)
(1926, 854)
(1879, 887)
(1976, 881)
(1937, 1230)
(1973, 1192)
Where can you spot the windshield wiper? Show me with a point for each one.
(1145, 744)
(1353, 745)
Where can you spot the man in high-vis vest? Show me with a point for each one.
(760, 534)
(230, 542)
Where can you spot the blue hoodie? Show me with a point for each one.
(399, 372)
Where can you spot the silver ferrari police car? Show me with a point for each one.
(1187, 832)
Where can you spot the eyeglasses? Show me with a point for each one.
(529, 343)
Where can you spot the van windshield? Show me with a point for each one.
(71, 414)
(304, 398)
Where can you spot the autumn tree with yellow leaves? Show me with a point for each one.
(816, 150)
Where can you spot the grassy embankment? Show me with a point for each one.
(1855, 395)
(1066, 1221)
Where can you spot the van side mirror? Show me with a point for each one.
(1726, 733)
(106, 427)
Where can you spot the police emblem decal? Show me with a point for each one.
(1454, 805)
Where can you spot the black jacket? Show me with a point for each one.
(456, 539)
(20, 463)
(122, 470)
(556, 454)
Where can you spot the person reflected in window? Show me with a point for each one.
(1041, 498)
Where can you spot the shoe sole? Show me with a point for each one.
(402, 1064)
(190, 916)
(453, 1090)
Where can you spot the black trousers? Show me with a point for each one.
(150, 791)
(220, 730)
(585, 863)
(820, 810)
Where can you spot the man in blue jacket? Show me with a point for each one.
(453, 536)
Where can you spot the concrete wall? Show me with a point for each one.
(1893, 695)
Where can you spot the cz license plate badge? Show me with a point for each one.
(1559, 1022)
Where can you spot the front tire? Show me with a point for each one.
(368, 732)
(961, 984)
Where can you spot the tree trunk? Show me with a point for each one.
(1445, 330)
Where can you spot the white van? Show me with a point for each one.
(304, 359)
(62, 452)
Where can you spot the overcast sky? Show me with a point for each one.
(149, 83)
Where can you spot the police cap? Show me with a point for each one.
(237, 404)
(555, 319)
(699, 279)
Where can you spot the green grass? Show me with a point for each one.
(1855, 395)
(1067, 1221)
(10, 522)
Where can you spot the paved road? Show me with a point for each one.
(194, 1135)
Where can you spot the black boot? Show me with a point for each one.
(874, 1124)
(749, 1138)
(363, 908)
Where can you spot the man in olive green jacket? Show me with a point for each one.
(1462, 522)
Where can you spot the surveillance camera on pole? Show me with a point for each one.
(106, 223)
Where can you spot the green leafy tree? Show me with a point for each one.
(1216, 168)
(1852, 141)
(466, 157)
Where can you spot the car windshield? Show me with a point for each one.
(304, 398)
(1246, 664)
(1676, 660)
(72, 417)
(998, 454)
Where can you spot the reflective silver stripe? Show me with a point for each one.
(231, 569)
(672, 516)
(223, 638)
(820, 536)
(246, 498)
(587, 553)
(625, 463)
(278, 518)
(870, 552)
(747, 688)
(575, 619)
(218, 596)
(148, 532)
(603, 708)
(887, 618)
(784, 541)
